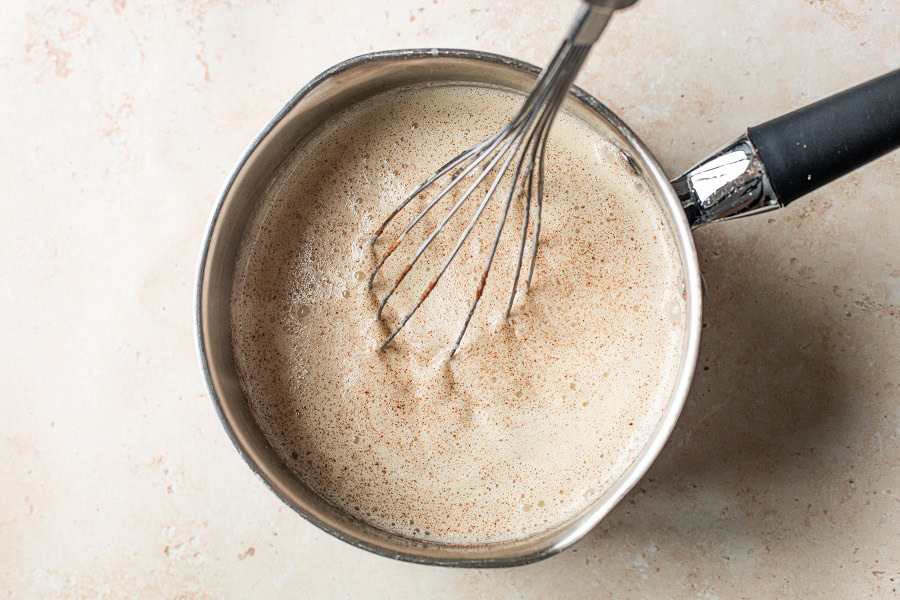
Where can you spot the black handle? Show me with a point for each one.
(809, 147)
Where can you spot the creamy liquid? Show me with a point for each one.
(534, 418)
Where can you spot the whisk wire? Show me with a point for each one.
(433, 235)
(465, 170)
(462, 237)
(542, 128)
(546, 117)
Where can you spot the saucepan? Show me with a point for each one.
(765, 168)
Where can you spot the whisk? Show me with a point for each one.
(527, 132)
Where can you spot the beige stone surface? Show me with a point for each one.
(120, 121)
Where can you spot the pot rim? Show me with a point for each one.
(654, 443)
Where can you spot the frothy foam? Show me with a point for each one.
(534, 418)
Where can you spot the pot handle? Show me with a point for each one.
(779, 161)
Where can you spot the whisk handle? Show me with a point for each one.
(611, 4)
(592, 19)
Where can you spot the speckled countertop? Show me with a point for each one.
(120, 120)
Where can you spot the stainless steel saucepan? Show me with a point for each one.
(767, 167)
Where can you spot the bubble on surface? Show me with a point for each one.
(674, 311)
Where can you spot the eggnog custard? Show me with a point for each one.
(535, 416)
